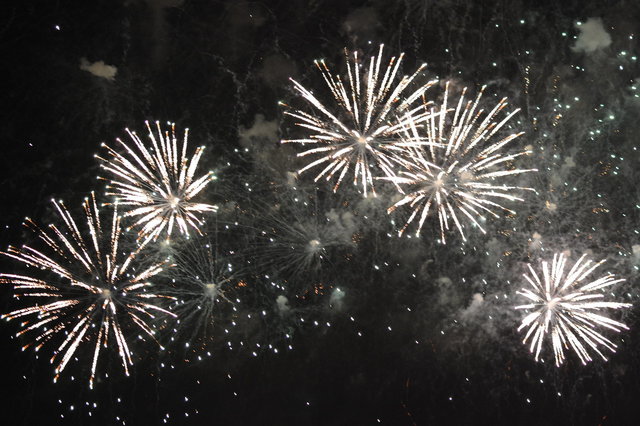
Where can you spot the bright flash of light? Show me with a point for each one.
(360, 132)
(90, 292)
(158, 182)
(453, 166)
(567, 308)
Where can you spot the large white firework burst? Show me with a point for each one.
(158, 182)
(567, 308)
(361, 130)
(452, 165)
(90, 292)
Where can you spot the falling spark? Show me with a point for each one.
(452, 165)
(362, 131)
(567, 307)
(158, 183)
(92, 289)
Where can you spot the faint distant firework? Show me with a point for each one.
(454, 167)
(157, 181)
(360, 131)
(566, 308)
(295, 237)
(85, 288)
(202, 286)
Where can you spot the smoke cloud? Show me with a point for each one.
(592, 37)
(99, 69)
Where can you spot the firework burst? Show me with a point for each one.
(202, 284)
(158, 183)
(296, 237)
(452, 165)
(361, 131)
(91, 292)
(567, 308)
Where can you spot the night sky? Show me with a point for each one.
(373, 328)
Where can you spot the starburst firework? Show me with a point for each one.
(566, 308)
(361, 131)
(453, 164)
(158, 182)
(92, 288)
(296, 237)
(202, 283)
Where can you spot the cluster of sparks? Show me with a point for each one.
(158, 183)
(90, 291)
(446, 159)
(567, 308)
(95, 293)
(451, 161)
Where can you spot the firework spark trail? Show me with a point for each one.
(362, 132)
(455, 170)
(158, 182)
(567, 310)
(92, 289)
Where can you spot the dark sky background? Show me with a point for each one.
(418, 332)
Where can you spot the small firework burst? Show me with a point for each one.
(457, 171)
(202, 284)
(295, 236)
(158, 183)
(361, 131)
(567, 307)
(93, 291)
